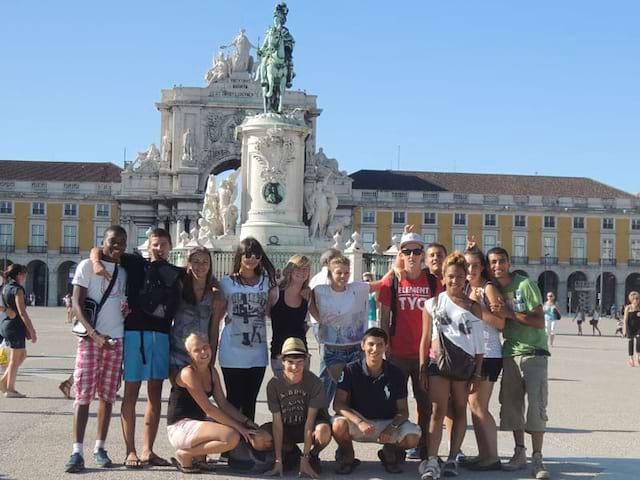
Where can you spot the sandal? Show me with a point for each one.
(65, 388)
(347, 468)
(178, 465)
(132, 463)
(155, 461)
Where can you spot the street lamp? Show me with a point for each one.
(544, 282)
(46, 276)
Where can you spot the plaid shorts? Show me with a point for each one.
(98, 370)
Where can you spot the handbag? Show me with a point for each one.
(91, 308)
(453, 361)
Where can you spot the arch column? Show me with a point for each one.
(52, 287)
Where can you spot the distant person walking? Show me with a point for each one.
(551, 316)
(631, 328)
(595, 319)
(16, 328)
(579, 319)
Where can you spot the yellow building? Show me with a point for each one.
(51, 214)
(562, 231)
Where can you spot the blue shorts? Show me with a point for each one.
(146, 356)
(341, 354)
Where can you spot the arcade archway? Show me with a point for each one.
(577, 291)
(66, 270)
(37, 279)
(548, 282)
(608, 291)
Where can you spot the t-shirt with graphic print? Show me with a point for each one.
(293, 401)
(344, 316)
(110, 319)
(410, 300)
(522, 295)
(373, 397)
(243, 340)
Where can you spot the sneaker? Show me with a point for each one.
(101, 458)
(429, 469)
(461, 457)
(75, 464)
(450, 469)
(518, 461)
(414, 453)
(14, 394)
(539, 471)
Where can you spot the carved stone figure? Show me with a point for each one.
(184, 239)
(166, 151)
(273, 152)
(275, 73)
(227, 195)
(220, 70)
(319, 213)
(241, 61)
(230, 218)
(187, 147)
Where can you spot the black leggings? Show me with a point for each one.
(633, 338)
(243, 385)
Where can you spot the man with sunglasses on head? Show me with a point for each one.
(402, 301)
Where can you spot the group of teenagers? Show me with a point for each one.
(451, 324)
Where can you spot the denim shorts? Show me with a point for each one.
(341, 354)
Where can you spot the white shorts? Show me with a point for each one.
(182, 432)
(407, 428)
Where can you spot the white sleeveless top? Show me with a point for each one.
(460, 326)
(492, 343)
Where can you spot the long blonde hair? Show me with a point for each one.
(295, 263)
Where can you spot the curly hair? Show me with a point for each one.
(455, 259)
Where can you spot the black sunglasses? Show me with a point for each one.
(249, 254)
(409, 251)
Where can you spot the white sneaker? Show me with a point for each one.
(539, 471)
(518, 461)
(429, 469)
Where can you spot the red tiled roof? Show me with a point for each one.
(484, 183)
(38, 171)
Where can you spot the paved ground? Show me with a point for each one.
(593, 430)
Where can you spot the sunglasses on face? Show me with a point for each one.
(255, 255)
(408, 251)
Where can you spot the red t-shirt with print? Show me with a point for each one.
(410, 300)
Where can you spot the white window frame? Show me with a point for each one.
(393, 217)
(62, 233)
(429, 236)
(573, 246)
(374, 216)
(635, 224)
(44, 209)
(459, 241)
(144, 229)
(7, 205)
(42, 224)
(97, 239)
(634, 253)
(612, 250)
(554, 246)
(515, 225)
(495, 220)
(97, 210)
(460, 216)
(366, 243)
(613, 224)
(554, 221)
(573, 223)
(435, 218)
(12, 235)
(488, 245)
(64, 210)
(513, 250)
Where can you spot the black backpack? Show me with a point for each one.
(160, 293)
(431, 280)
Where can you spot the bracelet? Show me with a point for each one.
(306, 455)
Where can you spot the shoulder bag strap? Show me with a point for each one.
(108, 290)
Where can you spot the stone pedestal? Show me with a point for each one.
(273, 148)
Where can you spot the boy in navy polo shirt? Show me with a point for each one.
(371, 406)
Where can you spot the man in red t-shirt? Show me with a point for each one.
(401, 305)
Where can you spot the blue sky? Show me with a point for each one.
(505, 86)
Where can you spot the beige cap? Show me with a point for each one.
(293, 346)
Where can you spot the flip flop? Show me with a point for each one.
(133, 464)
(156, 461)
(178, 465)
(347, 468)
